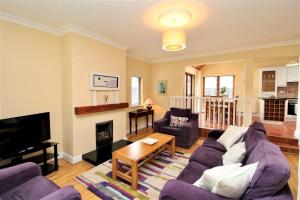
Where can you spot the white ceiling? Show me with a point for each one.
(228, 25)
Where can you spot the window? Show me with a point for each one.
(135, 91)
(218, 86)
(189, 85)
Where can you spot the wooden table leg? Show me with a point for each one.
(172, 147)
(130, 124)
(134, 175)
(114, 166)
(147, 120)
(136, 125)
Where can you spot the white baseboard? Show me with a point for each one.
(72, 159)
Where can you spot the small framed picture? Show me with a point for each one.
(104, 82)
(162, 87)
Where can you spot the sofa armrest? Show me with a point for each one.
(162, 122)
(215, 134)
(13, 176)
(66, 193)
(176, 189)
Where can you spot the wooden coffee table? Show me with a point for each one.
(137, 153)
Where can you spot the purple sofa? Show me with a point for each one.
(185, 136)
(25, 182)
(268, 183)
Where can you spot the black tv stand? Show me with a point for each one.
(42, 159)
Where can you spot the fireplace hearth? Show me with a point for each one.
(104, 144)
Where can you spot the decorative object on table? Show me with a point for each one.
(105, 99)
(98, 179)
(149, 140)
(104, 82)
(149, 102)
(162, 87)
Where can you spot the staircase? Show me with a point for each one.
(289, 145)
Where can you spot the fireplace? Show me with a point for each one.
(104, 144)
(104, 134)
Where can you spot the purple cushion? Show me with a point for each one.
(258, 126)
(212, 143)
(272, 173)
(192, 172)
(34, 189)
(251, 138)
(208, 157)
(181, 112)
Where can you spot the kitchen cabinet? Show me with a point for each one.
(282, 77)
(292, 74)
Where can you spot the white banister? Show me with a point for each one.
(214, 112)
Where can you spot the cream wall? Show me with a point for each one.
(31, 75)
(227, 68)
(87, 56)
(173, 71)
(141, 69)
(53, 74)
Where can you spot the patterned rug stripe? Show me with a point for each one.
(152, 177)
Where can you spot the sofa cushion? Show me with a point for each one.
(178, 121)
(206, 156)
(232, 135)
(34, 189)
(192, 172)
(234, 184)
(272, 173)
(210, 177)
(235, 154)
(251, 138)
(258, 126)
(181, 112)
(170, 130)
(212, 143)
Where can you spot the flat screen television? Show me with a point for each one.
(21, 133)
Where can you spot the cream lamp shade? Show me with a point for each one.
(174, 40)
(149, 101)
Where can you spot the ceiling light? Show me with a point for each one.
(175, 18)
(174, 40)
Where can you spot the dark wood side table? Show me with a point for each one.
(137, 114)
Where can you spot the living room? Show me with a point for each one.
(58, 50)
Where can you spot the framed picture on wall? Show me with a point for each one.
(104, 82)
(162, 87)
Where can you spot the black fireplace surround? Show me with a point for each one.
(104, 144)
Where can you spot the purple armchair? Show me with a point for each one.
(25, 181)
(185, 136)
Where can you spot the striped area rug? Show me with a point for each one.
(152, 177)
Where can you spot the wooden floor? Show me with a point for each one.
(66, 173)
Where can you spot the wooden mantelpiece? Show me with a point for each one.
(99, 108)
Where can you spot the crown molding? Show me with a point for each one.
(136, 57)
(227, 51)
(28, 23)
(67, 28)
(61, 30)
